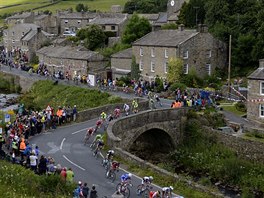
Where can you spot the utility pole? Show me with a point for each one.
(229, 66)
(196, 15)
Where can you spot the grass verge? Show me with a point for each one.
(233, 109)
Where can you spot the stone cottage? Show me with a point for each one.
(74, 60)
(255, 97)
(197, 48)
(121, 63)
(26, 38)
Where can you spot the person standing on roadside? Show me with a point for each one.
(74, 113)
(85, 190)
(93, 193)
(69, 175)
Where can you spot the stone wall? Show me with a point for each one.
(24, 82)
(246, 149)
(95, 112)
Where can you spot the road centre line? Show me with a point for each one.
(73, 163)
(62, 143)
(79, 131)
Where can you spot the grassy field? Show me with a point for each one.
(232, 108)
(102, 5)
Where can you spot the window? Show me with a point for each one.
(166, 53)
(208, 54)
(113, 27)
(261, 88)
(185, 54)
(141, 51)
(261, 110)
(166, 67)
(13, 33)
(66, 29)
(152, 52)
(23, 33)
(66, 21)
(141, 65)
(152, 66)
(5, 33)
(208, 69)
(79, 21)
(13, 41)
(103, 27)
(185, 68)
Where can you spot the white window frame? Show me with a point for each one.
(66, 21)
(185, 54)
(166, 53)
(152, 66)
(152, 52)
(209, 53)
(185, 68)
(141, 51)
(79, 22)
(13, 40)
(208, 68)
(166, 67)
(141, 65)
(261, 90)
(66, 29)
(260, 110)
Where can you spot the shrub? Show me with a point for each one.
(175, 86)
(240, 106)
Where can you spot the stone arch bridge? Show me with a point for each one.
(151, 125)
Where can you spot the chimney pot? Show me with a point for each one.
(261, 63)
(181, 27)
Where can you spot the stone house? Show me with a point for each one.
(48, 23)
(111, 22)
(198, 49)
(121, 63)
(25, 17)
(72, 59)
(74, 21)
(255, 97)
(24, 37)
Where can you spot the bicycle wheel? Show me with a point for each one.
(118, 187)
(139, 189)
(112, 176)
(126, 192)
(145, 193)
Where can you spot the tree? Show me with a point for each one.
(145, 6)
(93, 37)
(135, 29)
(135, 72)
(175, 70)
(81, 8)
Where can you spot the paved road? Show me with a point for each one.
(66, 146)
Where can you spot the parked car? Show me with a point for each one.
(69, 33)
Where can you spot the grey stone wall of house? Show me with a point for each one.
(159, 59)
(129, 128)
(198, 47)
(95, 112)
(253, 108)
(49, 24)
(113, 40)
(120, 63)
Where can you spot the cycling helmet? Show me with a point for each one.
(150, 178)
(171, 188)
(113, 152)
(129, 175)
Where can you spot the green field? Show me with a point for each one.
(102, 5)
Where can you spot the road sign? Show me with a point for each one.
(48, 108)
(7, 118)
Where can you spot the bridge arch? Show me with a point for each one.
(122, 133)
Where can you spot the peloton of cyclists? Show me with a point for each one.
(97, 137)
(99, 146)
(167, 191)
(109, 156)
(88, 134)
(114, 167)
(126, 178)
(147, 180)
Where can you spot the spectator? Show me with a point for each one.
(70, 175)
(33, 161)
(85, 190)
(74, 113)
(63, 174)
(93, 193)
(42, 166)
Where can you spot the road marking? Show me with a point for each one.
(73, 163)
(62, 143)
(79, 131)
(53, 147)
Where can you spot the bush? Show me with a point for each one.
(240, 106)
(175, 86)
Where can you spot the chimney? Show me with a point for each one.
(39, 29)
(202, 28)
(181, 27)
(261, 63)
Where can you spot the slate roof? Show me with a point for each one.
(77, 15)
(258, 74)
(109, 18)
(29, 35)
(41, 16)
(20, 16)
(150, 17)
(166, 38)
(127, 53)
(68, 52)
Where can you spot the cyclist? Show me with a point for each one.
(109, 156)
(117, 112)
(167, 191)
(97, 137)
(135, 106)
(126, 108)
(126, 178)
(88, 134)
(98, 125)
(156, 96)
(114, 167)
(99, 146)
(154, 194)
(147, 180)
(103, 116)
